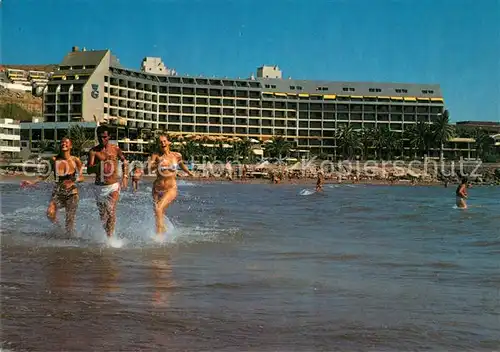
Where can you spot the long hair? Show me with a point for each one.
(158, 141)
(60, 153)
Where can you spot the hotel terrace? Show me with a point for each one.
(93, 84)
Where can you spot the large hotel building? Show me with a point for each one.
(92, 84)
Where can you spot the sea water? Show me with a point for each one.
(256, 267)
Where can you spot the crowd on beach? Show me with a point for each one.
(343, 172)
(307, 172)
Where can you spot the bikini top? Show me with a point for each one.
(66, 177)
(171, 167)
(70, 177)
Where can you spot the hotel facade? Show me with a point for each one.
(93, 85)
(9, 139)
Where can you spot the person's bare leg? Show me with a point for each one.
(52, 212)
(161, 205)
(103, 213)
(71, 208)
(461, 203)
(111, 213)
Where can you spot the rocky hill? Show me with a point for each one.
(19, 105)
(22, 105)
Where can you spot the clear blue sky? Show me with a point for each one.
(453, 43)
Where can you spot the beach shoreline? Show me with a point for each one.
(251, 181)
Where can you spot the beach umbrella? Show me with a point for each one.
(412, 173)
(263, 165)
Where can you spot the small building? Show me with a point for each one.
(269, 72)
(10, 136)
(491, 127)
(156, 66)
(458, 147)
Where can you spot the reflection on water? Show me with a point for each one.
(357, 268)
(161, 273)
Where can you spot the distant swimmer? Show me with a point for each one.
(461, 194)
(319, 182)
(136, 177)
(164, 190)
(103, 162)
(64, 167)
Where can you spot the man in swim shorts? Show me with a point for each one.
(103, 162)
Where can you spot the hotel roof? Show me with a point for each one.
(272, 85)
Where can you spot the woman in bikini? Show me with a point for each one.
(165, 186)
(461, 194)
(65, 193)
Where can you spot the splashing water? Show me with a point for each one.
(135, 226)
(306, 192)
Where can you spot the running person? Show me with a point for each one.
(103, 162)
(136, 177)
(319, 182)
(65, 193)
(164, 192)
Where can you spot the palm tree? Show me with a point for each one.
(80, 139)
(221, 153)
(366, 138)
(378, 141)
(190, 150)
(409, 137)
(348, 140)
(442, 131)
(484, 143)
(153, 146)
(463, 132)
(392, 142)
(243, 148)
(422, 137)
(278, 147)
(44, 146)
